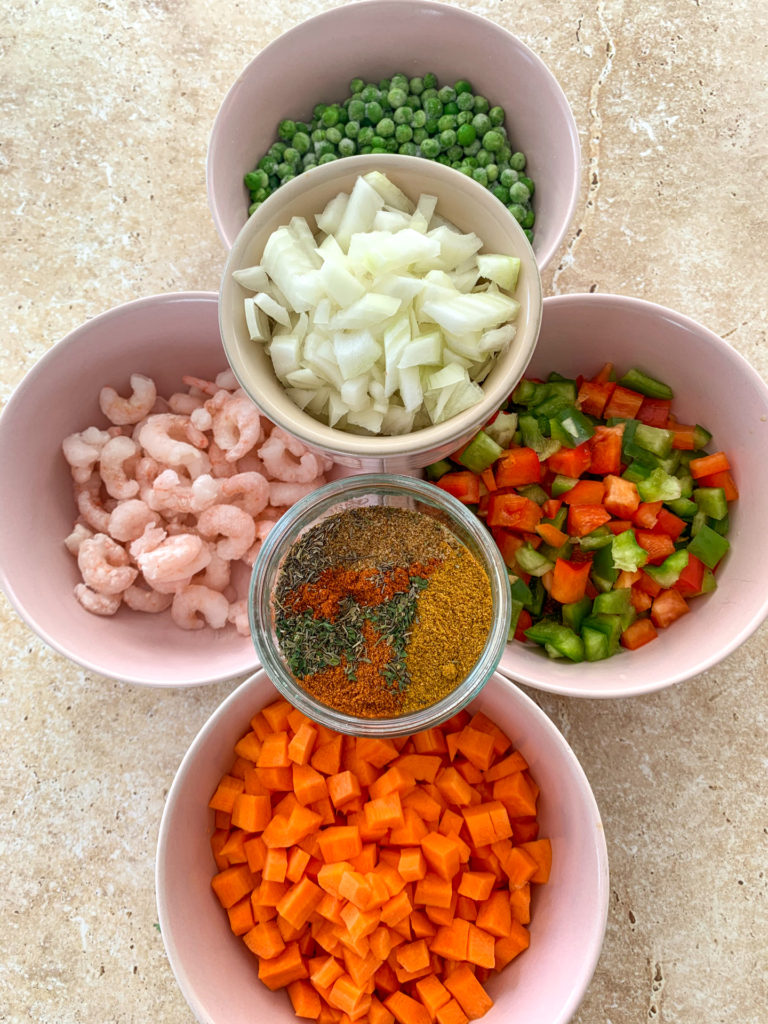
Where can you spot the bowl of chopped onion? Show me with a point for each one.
(416, 77)
(379, 309)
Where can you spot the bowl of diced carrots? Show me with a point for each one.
(456, 873)
(623, 483)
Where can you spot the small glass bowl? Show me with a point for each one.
(354, 492)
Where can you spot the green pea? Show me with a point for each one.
(473, 148)
(356, 110)
(301, 142)
(492, 141)
(518, 193)
(517, 161)
(465, 169)
(430, 80)
(318, 110)
(482, 123)
(416, 86)
(500, 191)
(431, 125)
(352, 129)
(443, 159)
(318, 135)
(496, 115)
(385, 128)
(277, 149)
(419, 134)
(286, 129)
(492, 171)
(517, 211)
(326, 158)
(446, 94)
(390, 144)
(529, 219)
(384, 85)
(308, 160)
(323, 147)
(462, 86)
(445, 122)
(365, 135)
(433, 108)
(483, 158)
(482, 106)
(408, 149)
(508, 177)
(430, 148)
(399, 81)
(403, 133)
(528, 183)
(373, 112)
(465, 101)
(377, 141)
(451, 108)
(480, 176)
(370, 94)
(529, 234)
(378, 149)
(356, 85)
(253, 208)
(396, 98)
(403, 115)
(267, 164)
(455, 154)
(334, 135)
(291, 156)
(447, 138)
(464, 116)
(347, 147)
(256, 179)
(465, 134)
(419, 119)
(414, 102)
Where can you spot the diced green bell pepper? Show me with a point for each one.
(638, 470)
(636, 380)
(683, 507)
(612, 602)
(515, 608)
(708, 546)
(659, 486)
(596, 644)
(604, 572)
(531, 561)
(561, 484)
(627, 553)
(654, 439)
(711, 501)
(481, 452)
(533, 437)
(574, 613)
(560, 638)
(609, 625)
(668, 573)
(533, 491)
(571, 427)
(438, 469)
(503, 428)
(599, 538)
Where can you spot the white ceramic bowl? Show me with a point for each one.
(466, 204)
(315, 61)
(218, 975)
(164, 337)
(716, 387)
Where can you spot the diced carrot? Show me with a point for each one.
(508, 946)
(340, 842)
(641, 632)
(514, 791)
(343, 787)
(407, 1010)
(275, 779)
(481, 947)
(248, 746)
(477, 885)
(281, 970)
(250, 812)
(326, 757)
(384, 812)
(234, 847)
(442, 854)
(413, 956)
(397, 908)
(275, 864)
(423, 767)
(495, 914)
(468, 992)
(450, 941)
(520, 903)
(276, 714)
(541, 852)
(231, 884)
(241, 916)
(411, 832)
(432, 993)
(451, 1013)
(424, 804)
(453, 787)
(433, 891)
(429, 741)
(375, 750)
(308, 784)
(226, 791)
(519, 867)
(304, 999)
(265, 940)
(412, 866)
(274, 751)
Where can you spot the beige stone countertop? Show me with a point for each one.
(106, 110)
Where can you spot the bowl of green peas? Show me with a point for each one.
(421, 78)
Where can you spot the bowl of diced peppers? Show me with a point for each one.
(623, 491)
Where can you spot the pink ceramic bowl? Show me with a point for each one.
(164, 337)
(315, 61)
(218, 975)
(716, 387)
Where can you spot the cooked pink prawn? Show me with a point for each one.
(236, 425)
(195, 606)
(281, 493)
(150, 539)
(174, 441)
(263, 526)
(129, 520)
(220, 467)
(184, 404)
(238, 616)
(248, 491)
(216, 574)
(206, 387)
(171, 494)
(132, 409)
(288, 459)
(90, 505)
(175, 560)
(230, 523)
(115, 464)
(104, 565)
(97, 604)
(150, 601)
(80, 532)
(82, 451)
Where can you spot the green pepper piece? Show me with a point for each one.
(571, 427)
(668, 573)
(659, 486)
(608, 625)
(502, 428)
(613, 602)
(533, 491)
(708, 546)
(597, 645)
(561, 639)
(534, 438)
(481, 453)
(520, 590)
(638, 470)
(604, 573)
(599, 538)
(515, 608)
(701, 436)
(683, 507)
(574, 613)
(636, 380)
(654, 439)
(538, 594)
(711, 501)
(561, 484)
(438, 469)
(708, 581)
(524, 392)
(627, 553)
(531, 561)
(720, 526)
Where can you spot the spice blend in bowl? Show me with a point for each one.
(379, 606)
(391, 616)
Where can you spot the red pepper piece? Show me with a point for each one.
(583, 519)
(646, 514)
(513, 511)
(571, 461)
(517, 467)
(605, 446)
(463, 485)
(658, 545)
(667, 522)
(641, 632)
(508, 543)
(569, 580)
(593, 396)
(624, 403)
(717, 462)
(621, 497)
(724, 480)
(667, 607)
(585, 492)
(690, 579)
(654, 411)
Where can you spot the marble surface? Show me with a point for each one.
(106, 110)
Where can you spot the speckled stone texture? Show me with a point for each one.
(106, 109)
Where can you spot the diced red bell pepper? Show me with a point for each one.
(646, 514)
(569, 580)
(658, 545)
(551, 507)
(593, 396)
(513, 511)
(604, 373)
(641, 632)
(571, 461)
(583, 519)
(667, 607)
(654, 411)
(723, 479)
(517, 467)
(621, 496)
(508, 543)
(605, 446)
(648, 585)
(667, 522)
(624, 403)
(626, 579)
(641, 601)
(619, 525)
(488, 479)
(463, 485)
(690, 579)
(717, 462)
(585, 492)
(551, 535)
(685, 435)
(524, 621)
